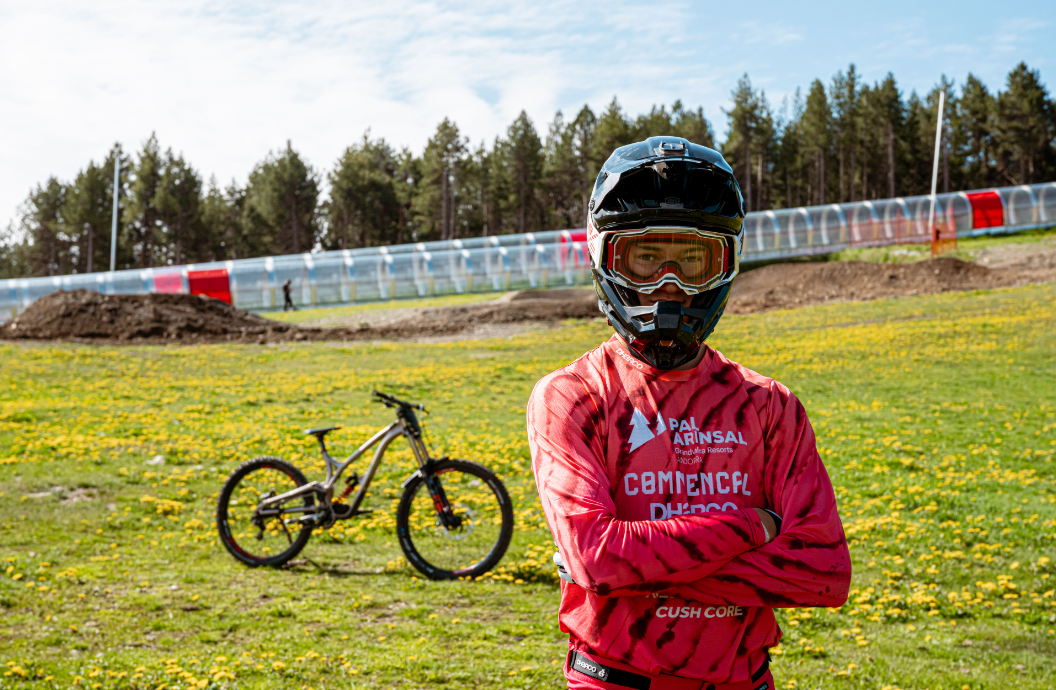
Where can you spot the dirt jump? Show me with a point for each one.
(90, 317)
(85, 316)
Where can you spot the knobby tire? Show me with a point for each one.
(222, 509)
(406, 534)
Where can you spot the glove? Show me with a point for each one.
(560, 563)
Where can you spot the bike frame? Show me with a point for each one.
(335, 469)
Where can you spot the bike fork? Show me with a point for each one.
(443, 508)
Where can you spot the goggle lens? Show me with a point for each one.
(692, 259)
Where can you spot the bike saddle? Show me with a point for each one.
(320, 433)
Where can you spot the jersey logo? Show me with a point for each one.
(640, 432)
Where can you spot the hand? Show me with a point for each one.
(768, 523)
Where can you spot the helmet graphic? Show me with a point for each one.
(665, 211)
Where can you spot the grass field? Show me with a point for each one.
(935, 416)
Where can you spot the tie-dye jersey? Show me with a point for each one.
(648, 479)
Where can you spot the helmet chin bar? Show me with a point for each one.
(665, 335)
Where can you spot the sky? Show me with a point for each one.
(226, 81)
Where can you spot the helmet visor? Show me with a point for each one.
(693, 260)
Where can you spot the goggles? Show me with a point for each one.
(695, 260)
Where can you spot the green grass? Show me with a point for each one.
(935, 417)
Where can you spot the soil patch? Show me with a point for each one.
(514, 309)
(1030, 256)
(82, 315)
(85, 316)
(784, 286)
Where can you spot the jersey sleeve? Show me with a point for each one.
(604, 554)
(808, 563)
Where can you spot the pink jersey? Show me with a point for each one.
(648, 479)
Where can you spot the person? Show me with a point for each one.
(684, 492)
(286, 293)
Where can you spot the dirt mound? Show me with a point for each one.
(555, 295)
(514, 308)
(782, 286)
(86, 315)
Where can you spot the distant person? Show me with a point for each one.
(685, 492)
(287, 293)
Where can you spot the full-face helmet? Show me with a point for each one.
(665, 211)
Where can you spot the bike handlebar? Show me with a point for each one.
(392, 401)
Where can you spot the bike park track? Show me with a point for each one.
(89, 317)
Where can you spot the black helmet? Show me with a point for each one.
(665, 210)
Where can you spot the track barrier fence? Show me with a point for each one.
(556, 258)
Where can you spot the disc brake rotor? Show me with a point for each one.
(461, 532)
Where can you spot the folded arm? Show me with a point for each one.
(603, 554)
(808, 563)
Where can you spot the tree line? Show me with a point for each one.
(842, 141)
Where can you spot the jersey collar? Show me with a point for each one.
(628, 364)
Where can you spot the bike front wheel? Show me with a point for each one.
(457, 522)
(269, 537)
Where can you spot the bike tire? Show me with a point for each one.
(407, 533)
(223, 506)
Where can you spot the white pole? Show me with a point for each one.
(113, 228)
(935, 167)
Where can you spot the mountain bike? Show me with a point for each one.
(454, 518)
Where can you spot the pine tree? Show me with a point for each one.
(929, 122)
(692, 125)
(282, 205)
(611, 131)
(13, 262)
(845, 95)
(178, 200)
(523, 152)
(817, 142)
(442, 161)
(916, 138)
(1025, 125)
(222, 220)
(364, 208)
(567, 171)
(656, 123)
(89, 211)
(42, 224)
(788, 157)
(406, 185)
(889, 118)
(975, 125)
(742, 122)
(141, 214)
(474, 200)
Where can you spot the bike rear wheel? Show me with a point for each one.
(472, 538)
(268, 539)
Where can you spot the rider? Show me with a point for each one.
(684, 492)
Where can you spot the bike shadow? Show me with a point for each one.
(307, 566)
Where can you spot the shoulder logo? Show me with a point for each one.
(629, 359)
(640, 432)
